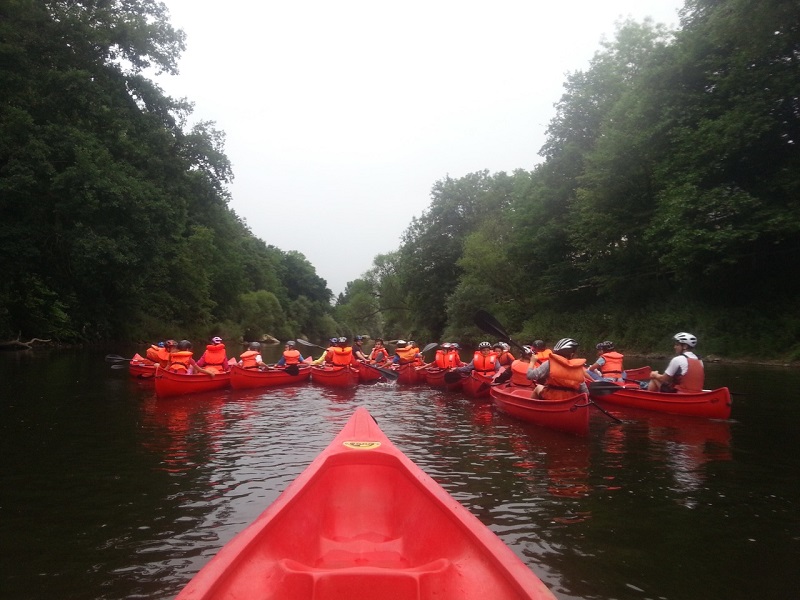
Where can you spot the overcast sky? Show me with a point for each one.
(341, 115)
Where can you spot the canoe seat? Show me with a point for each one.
(363, 582)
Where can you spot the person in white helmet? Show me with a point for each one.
(684, 373)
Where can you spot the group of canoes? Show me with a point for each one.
(482, 377)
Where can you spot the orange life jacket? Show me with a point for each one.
(484, 364)
(565, 378)
(180, 361)
(214, 356)
(249, 359)
(378, 355)
(440, 360)
(158, 355)
(453, 359)
(542, 356)
(694, 378)
(613, 365)
(291, 357)
(341, 356)
(519, 373)
(407, 355)
(505, 358)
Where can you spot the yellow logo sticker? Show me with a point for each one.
(361, 445)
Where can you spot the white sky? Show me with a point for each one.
(341, 115)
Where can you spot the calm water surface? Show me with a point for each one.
(108, 493)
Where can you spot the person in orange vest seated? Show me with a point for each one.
(685, 372)
(341, 354)
(160, 354)
(214, 357)
(504, 356)
(453, 356)
(404, 354)
(541, 353)
(608, 366)
(419, 360)
(182, 361)
(563, 375)
(378, 355)
(517, 374)
(484, 361)
(442, 358)
(251, 358)
(325, 357)
(291, 355)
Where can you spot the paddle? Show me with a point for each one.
(453, 376)
(490, 325)
(603, 388)
(387, 373)
(427, 347)
(117, 358)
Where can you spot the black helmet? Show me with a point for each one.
(607, 345)
(527, 350)
(484, 346)
(184, 345)
(255, 346)
(290, 343)
(538, 345)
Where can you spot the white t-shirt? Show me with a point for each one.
(679, 364)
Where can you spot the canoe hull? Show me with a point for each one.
(243, 379)
(711, 404)
(570, 415)
(409, 374)
(435, 377)
(477, 385)
(349, 527)
(141, 368)
(343, 377)
(367, 375)
(177, 384)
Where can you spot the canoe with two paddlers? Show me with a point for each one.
(712, 404)
(364, 522)
(178, 384)
(242, 378)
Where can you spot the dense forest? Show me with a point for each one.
(668, 199)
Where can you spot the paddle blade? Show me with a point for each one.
(292, 370)
(388, 373)
(453, 377)
(119, 366)
(428, 347)
(603, 388)
(117, 358)
(486, 322)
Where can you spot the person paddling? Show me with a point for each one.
(608, 366)
(562, 375)
(484, 361)
(685, 372)
(251, 358)
(215, 358)
(291, 355)
(182, 361)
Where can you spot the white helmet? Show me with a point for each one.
(685, 338)
(565, 344)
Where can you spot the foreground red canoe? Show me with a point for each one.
(242, 378)
(177, 384)
(333, 376)
(141, 367)
(363, 522)
(476, 385)
(712, 404)
(570, 415)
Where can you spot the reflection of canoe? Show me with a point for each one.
(409, 375)
(177, 384)
(333, 376)
(476, 385)
(141, 367)
(713, 404)
(363, 522)
(242, 378)
(570, 415)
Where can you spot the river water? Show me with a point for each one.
(107, 492)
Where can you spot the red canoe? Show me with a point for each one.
(409, 374)
(141, 367)
(570, 415)
(333, 376)
(476, 385)
(367, 375)
(712, 404)
(363, 522)
(242, 378)
(177, 384)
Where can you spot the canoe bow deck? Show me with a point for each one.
(363, 522)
